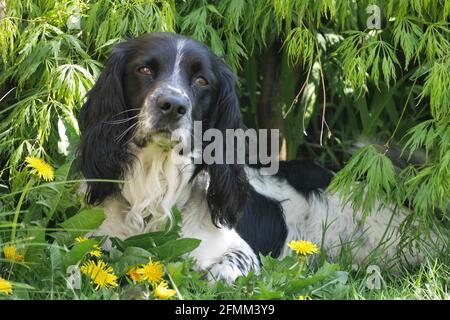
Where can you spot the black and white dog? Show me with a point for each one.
(161, 82)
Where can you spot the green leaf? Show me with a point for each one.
(56, 257)
(176, 248)
(149, 240)
(78, 251)
(54, 193)
(131, 257)
(325, 272)
(84, 221)
(37, 245)
(175, 269)
(62, 237)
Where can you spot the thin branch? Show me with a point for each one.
(295, 101)
(324, 121)
(6, 94)
(386, 145)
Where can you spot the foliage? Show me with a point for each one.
(62, 257)
(337, 78)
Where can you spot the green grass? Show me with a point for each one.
(429, 281)
(48, 253)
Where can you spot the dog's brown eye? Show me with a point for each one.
(201, 81)
(145, 70)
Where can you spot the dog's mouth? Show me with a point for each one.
(163, 138)
(162, 133)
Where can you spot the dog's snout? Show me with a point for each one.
(172, 106)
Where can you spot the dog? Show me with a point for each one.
(159, 83)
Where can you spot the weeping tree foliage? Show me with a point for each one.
(314, 69)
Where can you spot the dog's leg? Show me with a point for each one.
(222, 251)
(237, 262)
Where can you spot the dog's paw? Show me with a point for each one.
(223, 271)
(233, 265)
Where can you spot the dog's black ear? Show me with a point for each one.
(102, 153)
(227, 189)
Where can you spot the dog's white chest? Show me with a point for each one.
(156, 182)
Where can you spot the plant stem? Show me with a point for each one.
(19, 205)
(302, 261)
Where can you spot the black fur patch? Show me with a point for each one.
(262, 224)
(305, 176)
(241, 260)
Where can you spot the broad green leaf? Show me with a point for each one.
(54, 193)
(149, 240)
(325, 272)
(78, 251)
(131, 257)
(37, 245)
(84, 221)
(176, 248)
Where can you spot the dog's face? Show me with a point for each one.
(150, 87)
(169, 82)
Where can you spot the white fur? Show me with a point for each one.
(325, 214)
(216, 242)
(159, 179)
(175, 82)
(156, 182)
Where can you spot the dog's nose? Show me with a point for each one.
(172, 106)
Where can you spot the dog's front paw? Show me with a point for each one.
(234, 264)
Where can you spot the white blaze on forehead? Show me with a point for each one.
(175, 83)
(177, 65)
(177, 90)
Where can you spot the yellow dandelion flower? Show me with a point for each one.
(97, 252)
(40, 168)
(5, 286)
(303, 298)
(100, 273)
(9, 251)
(81, 239)
(163, 292)
(303, 247)
(136, 277)
(152, 272)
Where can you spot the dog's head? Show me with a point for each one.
(152, 86)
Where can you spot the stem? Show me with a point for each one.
(401, 117)
(302, 261)
(180, 297)
(324, 93)
(294, 102)
(19, 205)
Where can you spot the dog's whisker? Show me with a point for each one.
(125, 111)
(120, 121)
(123, 134)
(131, 139)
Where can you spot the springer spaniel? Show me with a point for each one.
(161, 82)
